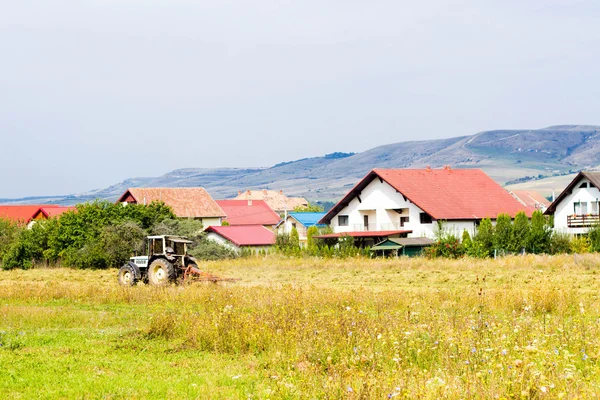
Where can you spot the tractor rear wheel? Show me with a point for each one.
(127, 276)
(161, 272)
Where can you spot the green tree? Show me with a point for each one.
(484, 237)
(310, 232)
(594, 238)
(466, 238)
(294, 238)
(521, 229)
(503, 233)
(9, 233)
(282, 241)
(560, 243)
(540, 234)
(309, 208)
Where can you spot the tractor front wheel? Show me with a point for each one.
(161, 272)
(127, 275)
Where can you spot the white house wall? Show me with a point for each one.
(206, 222)
(225, 242)
(378, 202)
(567, 206)
(215, 237)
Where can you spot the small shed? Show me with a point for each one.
(410, 247)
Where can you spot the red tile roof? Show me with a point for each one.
(22, 213)
(49, 212)
(248, 212)
(363, 234)
(445, 194)
(531, 199)
(245, 235)
(185, 202)
(275, 199)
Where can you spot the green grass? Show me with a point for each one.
(519, 327)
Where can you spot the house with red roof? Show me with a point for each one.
(393, 203)
(279, 202)
(531, 199)
(45, 212)
(249, 212)
(253, 237)
(194, 202)
(27, 213)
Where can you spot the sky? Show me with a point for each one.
(93, 92)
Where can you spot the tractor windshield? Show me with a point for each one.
(179, 248)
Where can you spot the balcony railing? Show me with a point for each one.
(582, 221)
(377, 227)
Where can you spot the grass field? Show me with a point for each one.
(518, 327)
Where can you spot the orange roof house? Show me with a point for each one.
(248, 212)
(186, 202)
(278, 201)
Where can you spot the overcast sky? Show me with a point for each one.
(94, 92)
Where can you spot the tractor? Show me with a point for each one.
(166, 261)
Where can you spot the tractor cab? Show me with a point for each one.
(166, 260)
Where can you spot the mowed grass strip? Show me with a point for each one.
(308, 328)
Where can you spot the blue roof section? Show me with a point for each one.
(308, 218)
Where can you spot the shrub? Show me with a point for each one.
(560, 243)
(503, 233)
(447, 246)
(311, 231)
(9, 233)
(294, 238)
(209, 250)
(539, 234)
(594, 238)
(484, 237)
(580, 244)
(521, 228)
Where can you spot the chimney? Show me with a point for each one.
(428, 168)
(239, 192)
(265, 192)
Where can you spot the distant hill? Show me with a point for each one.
(506, 155)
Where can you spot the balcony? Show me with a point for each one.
(377, 227)
(582, 221)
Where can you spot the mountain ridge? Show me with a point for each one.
(505, 155)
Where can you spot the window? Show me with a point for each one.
(342, 220)
(584, 207)
(583, 185)
(425, 218)
(403, 220)
(577, 208)
(594, 209)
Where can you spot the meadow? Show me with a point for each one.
(517, 327)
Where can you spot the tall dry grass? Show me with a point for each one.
(524, 327)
